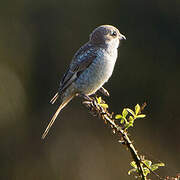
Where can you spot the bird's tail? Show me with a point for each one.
(64, 103)
(55, 97)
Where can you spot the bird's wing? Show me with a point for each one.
(82, 59)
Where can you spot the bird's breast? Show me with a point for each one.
(97, 73)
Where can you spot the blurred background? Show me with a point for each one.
(37, 42)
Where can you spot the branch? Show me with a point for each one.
(100, 109)
(120, 124)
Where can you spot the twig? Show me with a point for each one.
(157, 175)
(101, 112)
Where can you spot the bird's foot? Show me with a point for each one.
(104, 91)
(86, 97)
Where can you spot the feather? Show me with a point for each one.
(64, 103)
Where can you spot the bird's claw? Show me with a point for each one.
(104, 91)
(86, 97)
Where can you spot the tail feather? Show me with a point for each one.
(54, 98)
(64, 103)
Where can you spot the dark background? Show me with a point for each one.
(37, 42)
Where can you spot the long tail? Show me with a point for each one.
(64, 103)
(54, 98)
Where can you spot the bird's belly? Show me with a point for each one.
(95, 76)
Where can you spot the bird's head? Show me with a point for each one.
(106, 35)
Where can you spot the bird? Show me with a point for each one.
(90, 68)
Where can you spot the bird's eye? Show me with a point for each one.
(114, 33)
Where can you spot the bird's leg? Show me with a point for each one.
(84, 96)
(104, 91)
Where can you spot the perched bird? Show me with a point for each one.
(91, 67)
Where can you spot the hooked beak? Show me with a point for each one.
(122, 37)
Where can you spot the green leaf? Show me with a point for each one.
(126, 126)
(122, 121)
(132, 171)
(118, 116)
(131, 112)
(147, 163)
(131, 124)
(155, 166)
(141, 116)
(137, 109)
(99, 100)
(146, 171)
(160, 164)
(133, 164)
(104, 106)
(131, 118)
(125, 112)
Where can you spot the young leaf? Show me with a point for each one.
(146, 171)
(122, 121)
(147, 163)
(155, 166)
(160, 164)
(131, 119)
(118, 116)
(104, 106)
(127, 125)
(141, 116)
(131, 124)
(125, 112)
(137, 109)
(131, 112)
(99, 100)
(132, 171)
(133, 164)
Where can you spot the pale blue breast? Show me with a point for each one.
(97, 73)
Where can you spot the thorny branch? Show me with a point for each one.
(99, 108)
(102, 112)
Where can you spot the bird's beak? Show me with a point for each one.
(122, 37)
